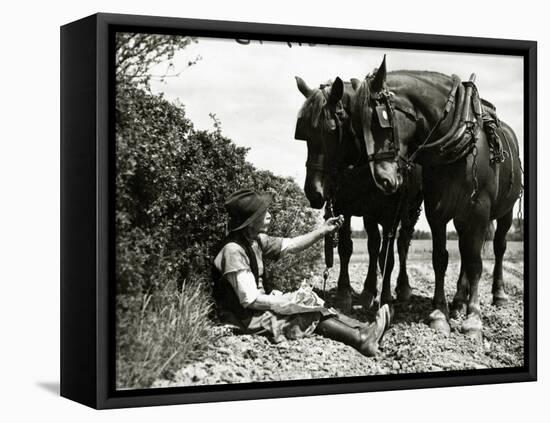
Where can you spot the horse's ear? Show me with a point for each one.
(380, 78)
(336, 91)
(355, 83)
(302, 86)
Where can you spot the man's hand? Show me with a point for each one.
(302, 242)
(333, 224)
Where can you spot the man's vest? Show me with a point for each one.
(224, 294)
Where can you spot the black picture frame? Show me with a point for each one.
(87, 223)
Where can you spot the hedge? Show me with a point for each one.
(171, 183)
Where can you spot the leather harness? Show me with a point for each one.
(456, 143)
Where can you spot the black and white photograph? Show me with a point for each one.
(275, 211)
(290, 211)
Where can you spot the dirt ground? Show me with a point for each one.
(409, 346)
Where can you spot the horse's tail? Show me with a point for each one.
(512, 164)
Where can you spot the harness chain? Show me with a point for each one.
(331, 242)
(391, 235)
(474, 173)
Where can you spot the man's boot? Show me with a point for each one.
(364, 339)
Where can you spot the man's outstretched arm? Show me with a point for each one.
(301, 242)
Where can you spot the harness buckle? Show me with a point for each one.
(383, 155)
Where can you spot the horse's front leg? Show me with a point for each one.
(370, 290)
(403, 289)
(345, 249)
(440, 258)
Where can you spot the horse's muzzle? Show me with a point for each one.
(387, 177)
(389, 184)
(315, 199)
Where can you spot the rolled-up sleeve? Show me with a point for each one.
(244, 284)
(272, 246)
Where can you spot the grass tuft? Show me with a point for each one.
(159, 333)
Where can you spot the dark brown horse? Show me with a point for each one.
(435, 120)
(337, 172)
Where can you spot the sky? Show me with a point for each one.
(252, 90)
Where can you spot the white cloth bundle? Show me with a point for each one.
(304, 300)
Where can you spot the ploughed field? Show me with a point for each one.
(409, 346)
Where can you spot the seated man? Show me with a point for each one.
(239, 289)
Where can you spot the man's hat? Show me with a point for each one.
(244, 206)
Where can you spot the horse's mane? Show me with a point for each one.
(418, 72)
(312, 109)
(313, 113)
(432, 78)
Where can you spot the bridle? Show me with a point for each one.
(448, 145)
(456, 143)
(385, 108)
(318, 164)
(386, 119)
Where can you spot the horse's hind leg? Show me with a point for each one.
(471, 235)
(440, 259)
(460, 299)
(499, 246)
(345, 249)
(370, 290)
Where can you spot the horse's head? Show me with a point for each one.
(325, 125)
(384, 129)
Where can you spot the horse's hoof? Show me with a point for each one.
(403, 294)
(500, 298)
(343, 302)
(458, 309)
(386, 299)
(367, 299)
(472, 326)
(438, 322)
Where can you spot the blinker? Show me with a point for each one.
(383, 118)
(301, 133)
